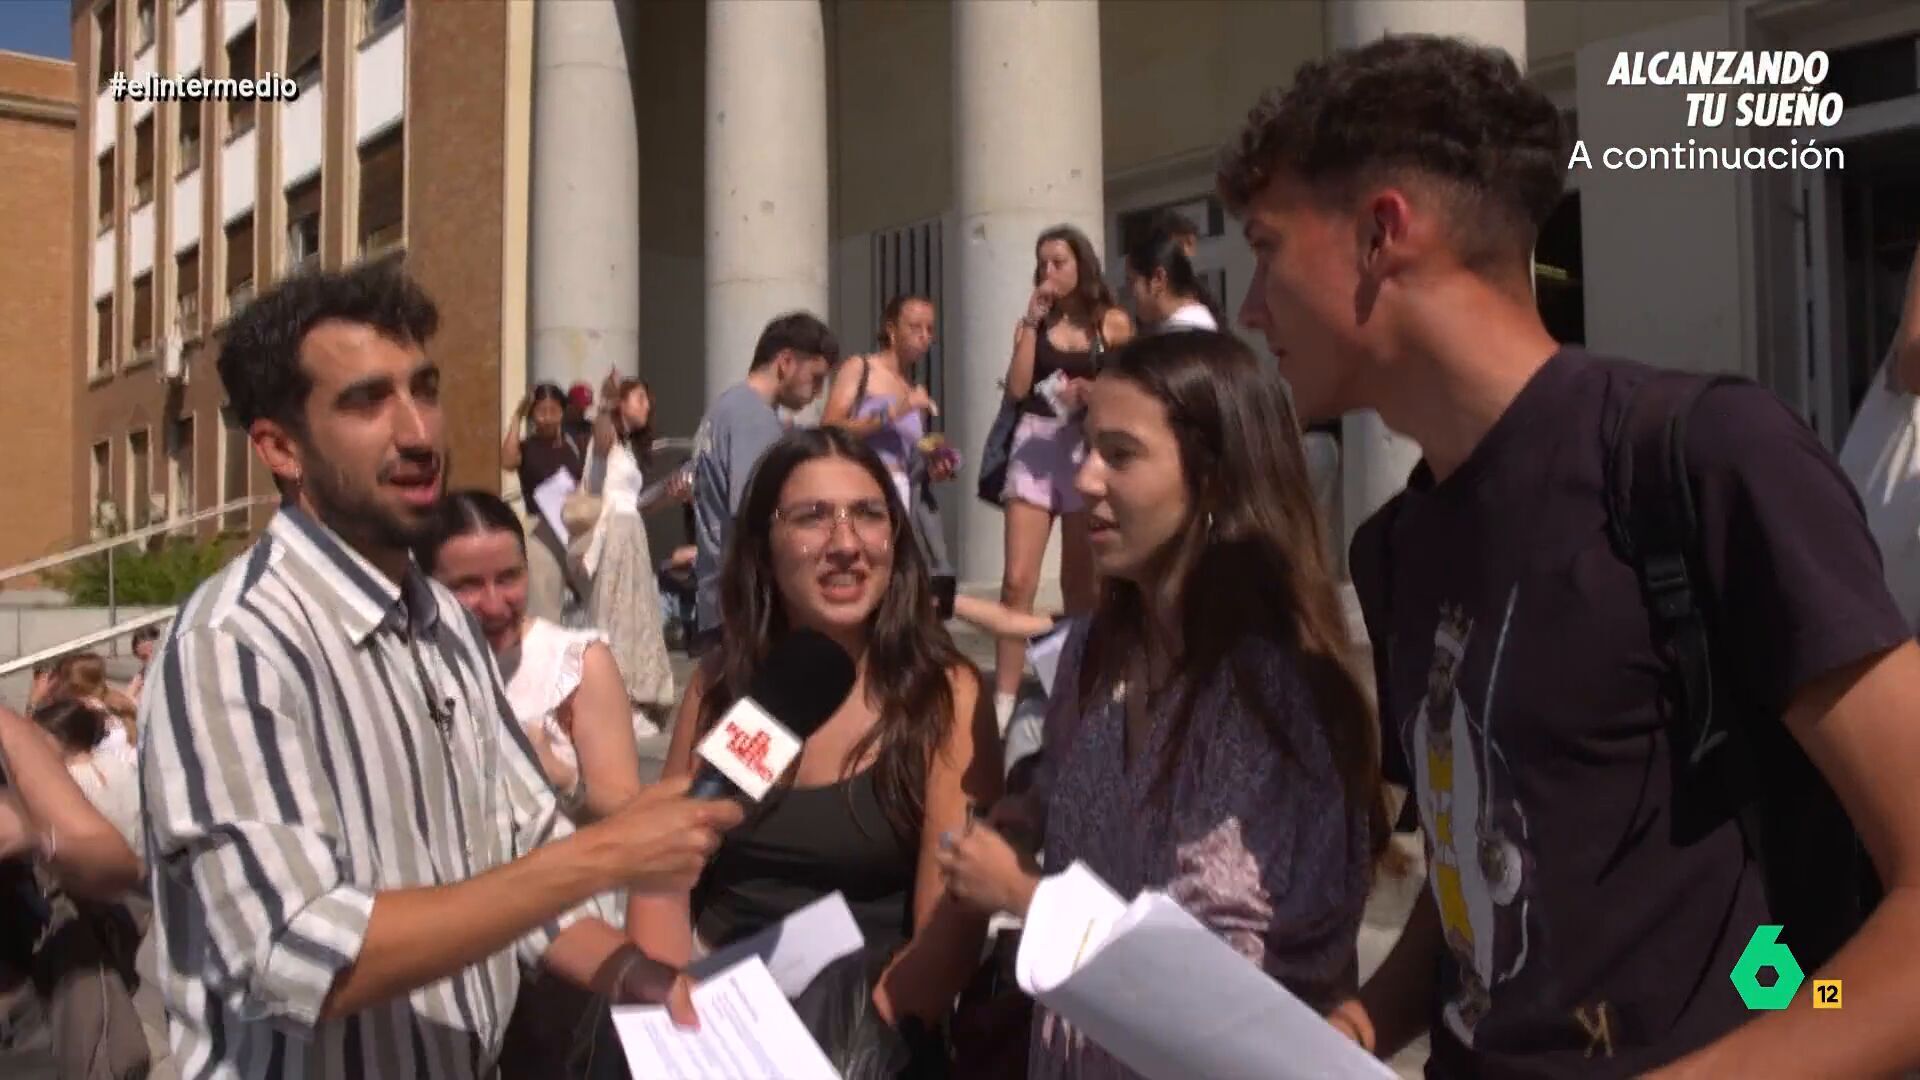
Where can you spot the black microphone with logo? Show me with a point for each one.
(804, 681)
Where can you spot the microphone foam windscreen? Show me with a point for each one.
(805, 679)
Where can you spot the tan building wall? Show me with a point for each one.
(37, 232)
(456, 183)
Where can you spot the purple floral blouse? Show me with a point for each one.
(1261, 848)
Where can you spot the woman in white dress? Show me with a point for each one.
(566, 694)
(563, 684)
(624, 603)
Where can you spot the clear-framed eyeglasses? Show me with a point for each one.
(816, 520)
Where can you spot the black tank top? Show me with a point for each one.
(1049, 358)
(804, 844)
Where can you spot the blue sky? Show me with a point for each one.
(40, 27)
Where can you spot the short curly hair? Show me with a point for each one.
(260, 346)
(1459, 116)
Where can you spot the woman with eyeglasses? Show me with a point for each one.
(822, 543)
(1206, 737)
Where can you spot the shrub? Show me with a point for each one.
(164, 574)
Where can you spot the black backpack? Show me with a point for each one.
(1820, 883)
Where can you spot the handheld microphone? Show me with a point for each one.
(805, 679)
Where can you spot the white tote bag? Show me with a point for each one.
(1882, 458)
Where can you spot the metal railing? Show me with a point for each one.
(115, 628)
(85, 641)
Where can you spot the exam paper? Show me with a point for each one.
(795, 949)
(1155, 988)
(748, 1031)
(550, 497)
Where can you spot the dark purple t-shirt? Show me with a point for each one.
(1519, 690)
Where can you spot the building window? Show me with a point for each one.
(377, 15)
(106, 31)
(143, 22)
(303, 226)
(143, 316)
(191, 114)
(239, 264)
(139, 480)
(103, 334)
(143, 162)
(186, 301)
(103, 181)
(99, 495)
(180, 456)
(240, 65)
(235, 469)
(383, 194)
(304, 33)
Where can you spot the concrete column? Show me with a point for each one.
(1376, 460)
(1026, 156)
(585, 230)
(766, 176)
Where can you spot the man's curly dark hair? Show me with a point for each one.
(1413, 108)
(260, 346)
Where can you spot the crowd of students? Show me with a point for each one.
(1637, 667)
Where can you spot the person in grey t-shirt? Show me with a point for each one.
(790, 364)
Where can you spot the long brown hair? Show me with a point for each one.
(909, 660)
(1248, 563)
(1090, 298)
(640, 439)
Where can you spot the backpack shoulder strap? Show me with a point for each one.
(1654, 524)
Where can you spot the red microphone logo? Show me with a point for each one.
(750, 748)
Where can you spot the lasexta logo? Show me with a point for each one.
(1765, 951)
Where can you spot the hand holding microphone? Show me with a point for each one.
(665, 835)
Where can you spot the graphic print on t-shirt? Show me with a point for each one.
(1474, 827)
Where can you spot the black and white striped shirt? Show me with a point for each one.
(291, 768)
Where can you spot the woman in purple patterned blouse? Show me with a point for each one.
(1206, 737)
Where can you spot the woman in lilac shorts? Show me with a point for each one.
(1070, 320)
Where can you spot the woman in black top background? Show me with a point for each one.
(822, 543)
(1070, 319)
(534, 457)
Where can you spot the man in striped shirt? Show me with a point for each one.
(353, 849)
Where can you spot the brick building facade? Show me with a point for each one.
(37, 122)
(192, 207)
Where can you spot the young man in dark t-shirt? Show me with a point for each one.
(1392, 197)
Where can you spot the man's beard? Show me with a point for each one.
(352, 510)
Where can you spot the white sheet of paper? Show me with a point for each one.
(549, 496)
(748, 1031)
(795, 949)
(1168, 997)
